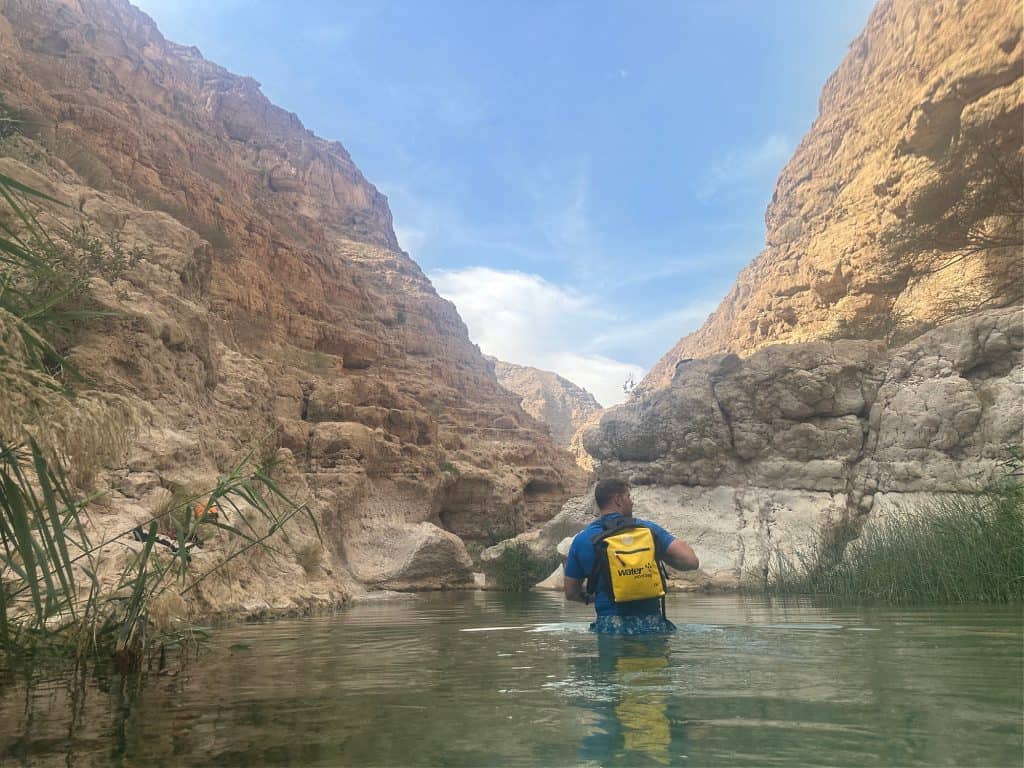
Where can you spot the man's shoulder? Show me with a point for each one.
(586, 534)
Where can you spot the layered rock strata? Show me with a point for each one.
(901, 208)
(549, 398)
(269, 307)
(747, 458)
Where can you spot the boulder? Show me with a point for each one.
(546, 542)
(409, 558)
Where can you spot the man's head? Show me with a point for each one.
(613, 496)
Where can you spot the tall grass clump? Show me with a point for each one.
(957, 548)
(57, 590)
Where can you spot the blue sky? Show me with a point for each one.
(583, 179)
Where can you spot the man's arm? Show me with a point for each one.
(678, 555)
(574, 590)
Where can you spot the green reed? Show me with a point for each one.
(956, 548)
(57, 592)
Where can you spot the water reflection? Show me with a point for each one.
(511, 680)
(632, 724)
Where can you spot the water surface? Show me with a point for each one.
(474, 679)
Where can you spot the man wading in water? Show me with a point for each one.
(621, 558)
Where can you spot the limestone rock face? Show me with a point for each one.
(270, 308)
(900, 209)
(549, 398)
(746, 458)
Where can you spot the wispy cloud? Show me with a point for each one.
(666, 328)
(523, 318)
(428, 226)
(740, 166)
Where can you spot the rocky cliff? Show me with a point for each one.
(746, 456)
(269, 307)
(871, 356)
(548, 397)
(900, 209)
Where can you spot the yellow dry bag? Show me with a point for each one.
(633, 568)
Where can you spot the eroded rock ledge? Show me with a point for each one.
(746, 457)
(270, 308)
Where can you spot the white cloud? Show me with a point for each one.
(741, 165)
(522, 318)
(600, 376)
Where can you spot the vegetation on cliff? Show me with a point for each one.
(58, 590)
(952, 549)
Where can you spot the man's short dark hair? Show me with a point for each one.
(606, 490)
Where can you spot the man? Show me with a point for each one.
(636, 617)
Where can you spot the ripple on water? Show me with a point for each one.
(467, 679)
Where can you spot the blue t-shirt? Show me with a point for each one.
(580, 563)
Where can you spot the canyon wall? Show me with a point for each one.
(870, 358)
(900, 209)
(550, 398)
(267, 307)
(746, 457)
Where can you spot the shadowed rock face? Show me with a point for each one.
(900, 209)
(548, 397)
(271, 299)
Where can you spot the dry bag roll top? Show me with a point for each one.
(633, 570)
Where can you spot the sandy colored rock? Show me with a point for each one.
(555, 582)
(270, 308)
(549, 398)
(410, 557)
(899, 210)
(745, 458)
(549, 542)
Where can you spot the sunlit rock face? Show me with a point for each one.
(871, 356)
(271, 307)
(899, 210)
(548, 397)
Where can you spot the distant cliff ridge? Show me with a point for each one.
(548, 397)
(901, 208)
(271, 298)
